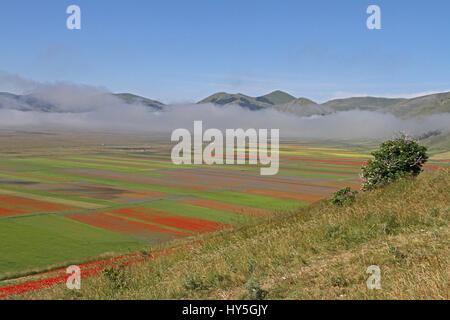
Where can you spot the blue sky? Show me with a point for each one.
(180, 51)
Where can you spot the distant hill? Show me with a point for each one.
(277, 100)
(403, 108)
(33, 103)
(303, 107)
(252, 103)
(223, 98)
(25, 103)
(437, 142)
(276, 97)
(426, 105)
(284, 102)
(131, 98)
(362, 103)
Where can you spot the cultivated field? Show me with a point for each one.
(79, 198)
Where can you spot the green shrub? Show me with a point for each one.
(254, 289)
(395, 158)
(193, 282)
(343, 196)
(117, 277)
(339, 281)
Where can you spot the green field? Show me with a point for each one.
(39, 241)
(198, 212)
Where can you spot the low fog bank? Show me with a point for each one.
(90, 108)
(342, 125)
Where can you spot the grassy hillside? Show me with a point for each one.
(319, 252)
(281, 101)
(303, 107)
(253, 103)
(426, 105)
(223, 98)
(37, 103)
(438, 144)
(276, 97)
(362, 103)
(25, 103)
(131, 98)
(402, 108)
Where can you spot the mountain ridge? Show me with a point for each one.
(132, 98)
(32, 102)
(400, 107)
(277, 100)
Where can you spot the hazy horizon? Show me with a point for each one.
(85, 107)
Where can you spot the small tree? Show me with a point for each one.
(395, 158)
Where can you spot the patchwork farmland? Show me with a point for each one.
(92, 203)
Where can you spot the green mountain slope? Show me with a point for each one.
(34, 103)
(403, 108)
(437, 142)
(223, 99)
(25, 103)
(303, 107)
(276, 97)
(362, 103)
(132, 98)
(284, 102)
(252, 103)
(426, 105)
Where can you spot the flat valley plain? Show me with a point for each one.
(76, 197)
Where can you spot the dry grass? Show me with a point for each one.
(320, 252)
